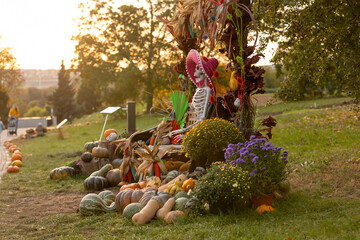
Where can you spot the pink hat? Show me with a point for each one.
(207, 66)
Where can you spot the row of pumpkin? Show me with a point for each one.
(16, 157)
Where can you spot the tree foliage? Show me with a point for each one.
(63, 97)
(10, 79)
(10, 76)
(318, 44)
(117, 46)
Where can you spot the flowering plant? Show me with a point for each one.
(205, 142)
(224, 187)
(264, 163)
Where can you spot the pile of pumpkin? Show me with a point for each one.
(16, 157)
(92, 150)
(141, 201)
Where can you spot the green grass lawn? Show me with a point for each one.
(324, 203)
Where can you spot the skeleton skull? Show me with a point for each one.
(199, 74)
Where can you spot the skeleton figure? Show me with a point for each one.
(200, 72)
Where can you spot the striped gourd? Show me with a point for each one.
(93, 204)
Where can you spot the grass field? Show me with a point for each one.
(324, 152)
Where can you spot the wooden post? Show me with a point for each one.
(61, 136)
(131, 117)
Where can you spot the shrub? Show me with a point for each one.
(264, 163)
(205, 142)
(224, 187)
(36, 112)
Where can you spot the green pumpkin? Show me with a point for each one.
(86, 156)
(102, 171)
(170, 176)
(180, 204)
(161, 198)
(117, 162)
(181, 194)
(108, 196)
(94, 204)
(146, 197)
(113, 177)
(62, 172)
(131, 209)
(90, 145)
(95, 183)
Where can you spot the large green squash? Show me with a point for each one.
(108, 196)
(94, 204)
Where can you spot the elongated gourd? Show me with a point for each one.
(164, 187)
(161, 213)
(93, 204)
(147, 213)
(102, 171)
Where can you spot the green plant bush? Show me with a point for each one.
(36, 111)
(224, 187)
(205, 142)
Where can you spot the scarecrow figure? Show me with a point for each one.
(200, 71)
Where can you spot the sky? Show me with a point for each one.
(39, 31)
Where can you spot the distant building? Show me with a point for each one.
(40, 78)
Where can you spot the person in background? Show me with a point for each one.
(14, 111)
(2, 127)
(39, 130)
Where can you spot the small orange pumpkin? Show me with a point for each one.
(13, 169)
(131, 186)
(188, 184)
(17, 163)
(100, 152)
(142, 184)
(16, 157)
(264, 209)
(108, 131)
(173, 215)
(17, 151)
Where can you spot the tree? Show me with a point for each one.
(10, 79)
(319, 44)
(63, 97)
(113, 40)
(10, 76)
(4, 100)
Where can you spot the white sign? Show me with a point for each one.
(62, 123)
(110, 110)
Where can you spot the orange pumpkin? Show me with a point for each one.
(16, 157)
(131, 186)
(171, 216)
(100, 152)
(108, 131)
(17, 163)
(188, 184)
(13, 169)
(264, 209)
(142, 184)
(17, 151)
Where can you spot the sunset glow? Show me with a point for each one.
(39, 31)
